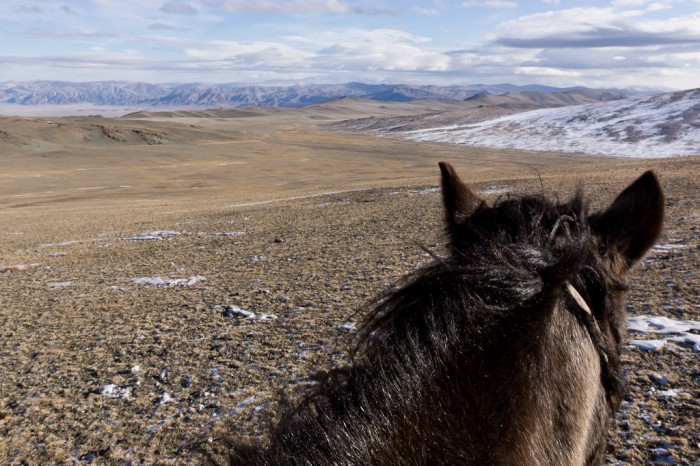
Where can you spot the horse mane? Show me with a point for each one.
(509, 259)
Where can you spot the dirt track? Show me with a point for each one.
(99, 366)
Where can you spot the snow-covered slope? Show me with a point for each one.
(666, 125)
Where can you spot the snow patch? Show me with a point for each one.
(238, 313)
(430, 190)
(679, 331)
(114, 391)
(65, 284)
(167, 282)
(648, 345)
(670, 393)
(667, 247)
(495, 190)
(154, 235)
(348, 327)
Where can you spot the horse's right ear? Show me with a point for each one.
(632, 224)
(459, 200)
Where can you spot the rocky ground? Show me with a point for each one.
(136, 340)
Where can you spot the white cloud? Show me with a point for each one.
(379, 49)
(262, 54)
(179, 9)
(348, 50)
(673, 72)
(489, 4)
(371, 36)
(384, 57)
(595, 45)
(687, 58)
(658, 6)
(426, 11)
(86, 33)
(491, 56)
(383, 36)
(26, 9)
(623, 41)
(596, 27)
(296, 7)
(544, 71)
(616, 3)
(300, 39)
(165, 27)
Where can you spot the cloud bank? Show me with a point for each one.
(626, 42)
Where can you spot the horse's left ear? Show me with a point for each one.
(632, 224)
(459, 200)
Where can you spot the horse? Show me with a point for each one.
(503, 351)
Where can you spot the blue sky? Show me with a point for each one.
(613, 43)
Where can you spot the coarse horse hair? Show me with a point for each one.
(485, 356)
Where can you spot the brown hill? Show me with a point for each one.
(535, 100)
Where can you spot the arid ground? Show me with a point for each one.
(132, 248)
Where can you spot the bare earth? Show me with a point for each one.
(128, 247)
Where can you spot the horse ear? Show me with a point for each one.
(632, 224)
(459, 200)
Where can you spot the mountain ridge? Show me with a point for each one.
(236, 95)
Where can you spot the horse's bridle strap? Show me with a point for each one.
(584, 306)
(578, 298)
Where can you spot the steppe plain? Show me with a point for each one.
(130, 248)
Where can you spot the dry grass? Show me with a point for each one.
(73, 323)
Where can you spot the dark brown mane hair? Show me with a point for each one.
(484, 356)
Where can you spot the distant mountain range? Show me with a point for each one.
(119, 93)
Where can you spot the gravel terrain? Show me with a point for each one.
(136, 331)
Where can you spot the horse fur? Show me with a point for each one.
(483, 357)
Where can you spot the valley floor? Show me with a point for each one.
(122, 336)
